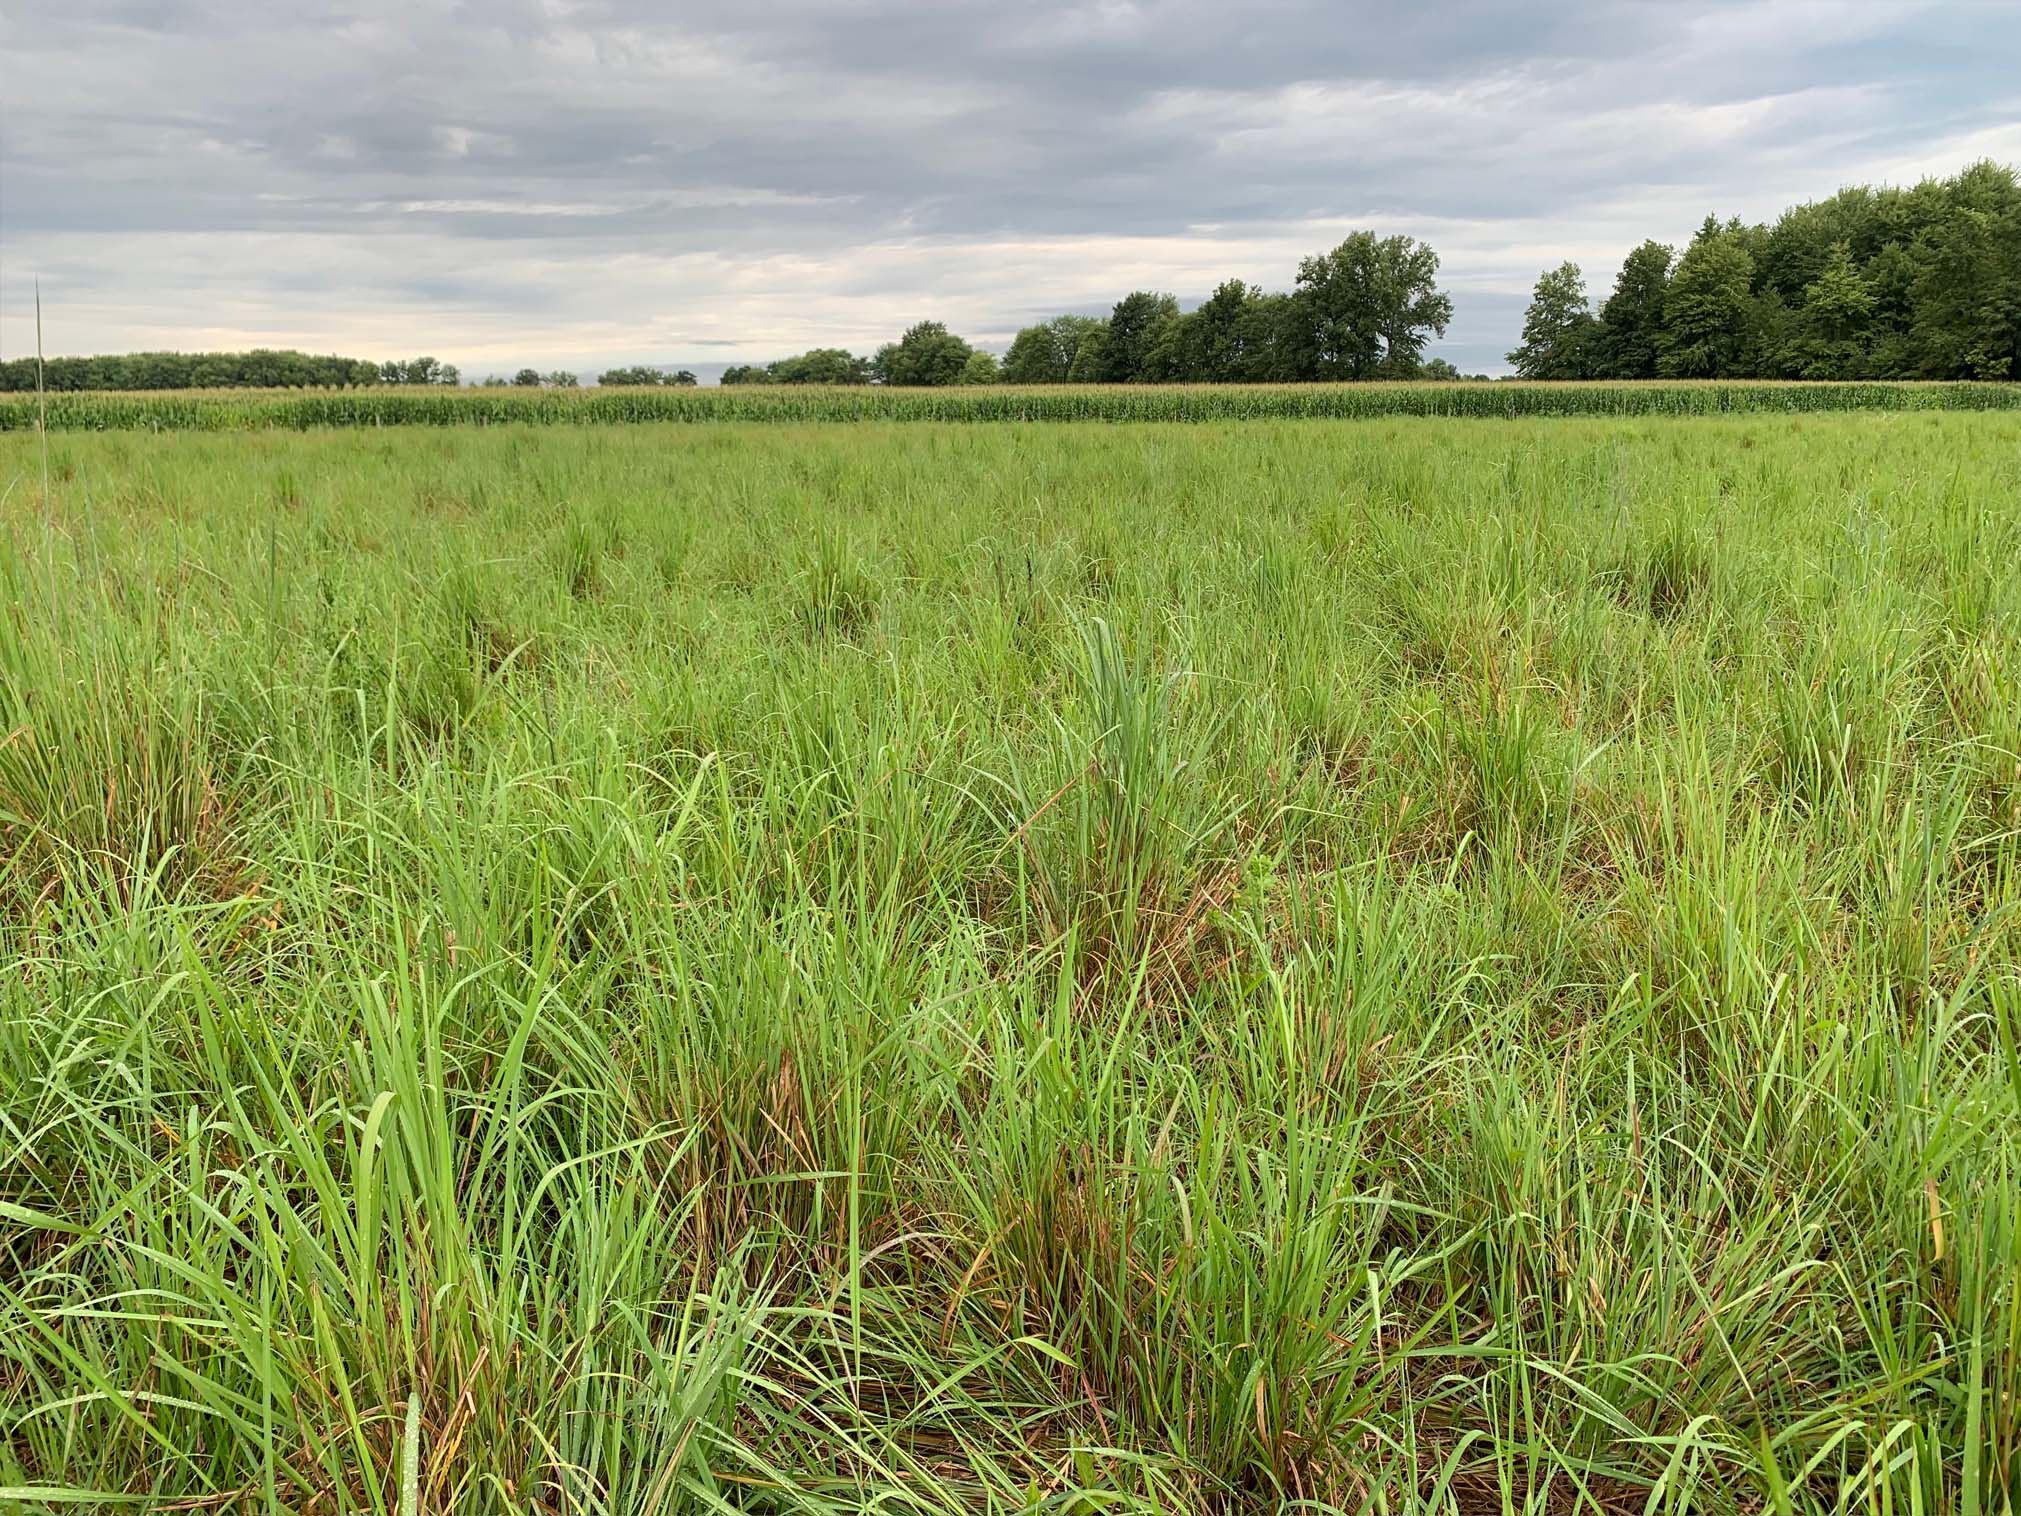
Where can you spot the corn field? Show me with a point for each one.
(244, 410)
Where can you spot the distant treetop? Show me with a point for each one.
(645, 374)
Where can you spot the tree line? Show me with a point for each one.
(1363, 310)
(283, 369)
(262, 368)
(561, 379)
(1918, 283)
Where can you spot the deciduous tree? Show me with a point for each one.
(1631, 320)
(1559, 330)
(1836, 322)
(1709, 312)
(1366, 309)
(1137, 326)
(1045, 353)
(821, 365)
(928, 354)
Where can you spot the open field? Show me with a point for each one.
(1417, 967)
(243, 410)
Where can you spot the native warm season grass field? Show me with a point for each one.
(1404, 965)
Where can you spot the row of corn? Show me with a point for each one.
(235, 410)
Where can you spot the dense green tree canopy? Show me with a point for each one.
(928, 354)
(1232, 337)
(646, 374)
(1046, 353)
(418, 371)
(262, 368)
(1133, 353)
(1035, 356)
(1709, 312)
(1366, 309)
(1559, 330)
(1631, 320)
(820, 365)
(981, 368)
(1838, 309)
(1966, 296)
(1889, 283)
(1091, 359)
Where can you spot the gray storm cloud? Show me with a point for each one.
(618, 182)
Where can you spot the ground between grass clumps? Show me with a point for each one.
(1418, 966)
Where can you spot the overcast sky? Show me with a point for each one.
(580, 184)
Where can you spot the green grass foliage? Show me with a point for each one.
(1409, 968)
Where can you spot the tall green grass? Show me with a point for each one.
(240, 410)
(1229, 968)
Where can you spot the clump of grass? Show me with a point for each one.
(1019, 588)
(1668, 577)
(109, 770)
(1503, 792)
(1835, 722)
(840, 597)
(1491, 779)
(1122, 850)
(1099, 558)
(1981, 685)
(468, 605)
(1820, 740)
(581, 553)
